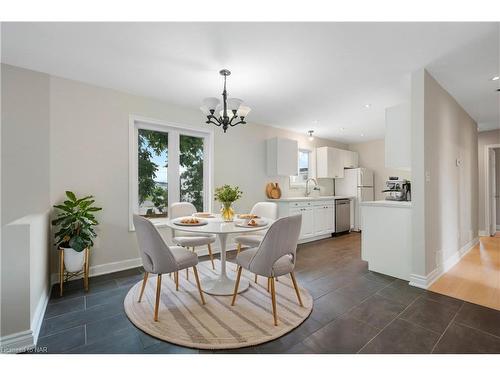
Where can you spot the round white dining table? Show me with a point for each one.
(222, 285)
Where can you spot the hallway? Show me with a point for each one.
(476, 277)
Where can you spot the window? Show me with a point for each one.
(167, 164)
(304, 172)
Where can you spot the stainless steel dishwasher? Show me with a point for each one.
(342, 215)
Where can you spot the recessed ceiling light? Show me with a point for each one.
(342, 129)
(368, 106)
(495, 78)
(362, 135)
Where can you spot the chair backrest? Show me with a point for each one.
(281, 239)
(155, 253)
(265, 209)
(180, 209)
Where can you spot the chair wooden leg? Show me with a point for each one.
(158, 290)
(273, 298)
(211, 255)
(236, 285)
(176, 276)
(61, 272)
(255, 278)
(144, 282)
(238, 249)
(296, 289)
(199, 285)
(187, 273)
(268, 285)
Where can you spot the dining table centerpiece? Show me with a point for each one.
(227, 195)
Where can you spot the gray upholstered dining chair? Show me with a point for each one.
(275, 256)
(189, 239)
(267, 210)
(158, 258)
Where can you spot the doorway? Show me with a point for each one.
(492, 189)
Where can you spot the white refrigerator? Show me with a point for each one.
(357, 182)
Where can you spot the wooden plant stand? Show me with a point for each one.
(65, 276)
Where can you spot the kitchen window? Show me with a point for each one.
(168, 163)
(304, 171)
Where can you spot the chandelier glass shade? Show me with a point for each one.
(229, 112)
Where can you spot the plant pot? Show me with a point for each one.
(73, 260)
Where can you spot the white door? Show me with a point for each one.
(492, 192)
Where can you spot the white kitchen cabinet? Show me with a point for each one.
(398, 137)
(323, 219)
(318, 216)
(282, 157)
(350, 159)
(308, 220)
(329, 162)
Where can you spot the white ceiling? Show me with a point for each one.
(298, 76)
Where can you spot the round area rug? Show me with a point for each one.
(217, 324)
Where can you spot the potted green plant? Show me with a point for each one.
(75, 224)
(227, 195)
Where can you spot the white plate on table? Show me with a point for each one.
(205, 215)
(244, 224)
(199, 223)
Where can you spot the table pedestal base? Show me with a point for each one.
(223, 285)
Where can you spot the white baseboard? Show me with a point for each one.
(17, 342)
(36, 323)
(484, 233)
(498, 227)
(425, 282)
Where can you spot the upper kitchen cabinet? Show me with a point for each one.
(329, 162)
(350, 159)
(398, 137)
(282, 157)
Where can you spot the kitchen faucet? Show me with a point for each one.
(316, 187)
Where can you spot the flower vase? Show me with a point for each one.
(227, 211)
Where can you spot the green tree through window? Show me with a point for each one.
(191, 170)
(153, 158)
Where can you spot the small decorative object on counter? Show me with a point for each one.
(227, 195)
(273, 190)
(75, 224)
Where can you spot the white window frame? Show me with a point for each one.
(295, 184)
(174, 131)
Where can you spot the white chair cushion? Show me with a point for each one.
(282, 266)
(249, 240)
(193, 241)
(184, 258)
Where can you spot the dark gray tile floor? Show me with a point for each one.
(355, 311)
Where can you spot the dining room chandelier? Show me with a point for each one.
(230, 112)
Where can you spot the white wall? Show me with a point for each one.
(372, 156)
(447, 195)
(89, 155)
(486, 138)
(25, 200)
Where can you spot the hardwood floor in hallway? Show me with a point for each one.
(476, 277)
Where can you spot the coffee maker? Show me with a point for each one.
(397, 189)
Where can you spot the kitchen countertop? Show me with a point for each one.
(309, 199)
(386, 203)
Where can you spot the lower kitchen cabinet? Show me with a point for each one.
(318, 218)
